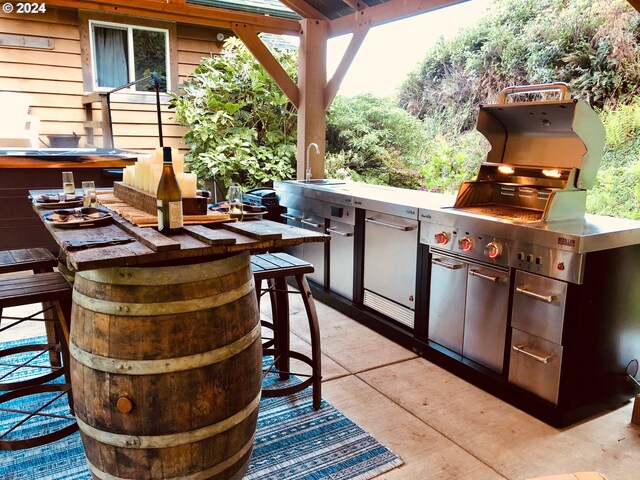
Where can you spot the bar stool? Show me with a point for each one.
(275, 268)
(54, 292)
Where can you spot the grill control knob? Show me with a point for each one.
(441, 238)
(493, 250)
(465, 244)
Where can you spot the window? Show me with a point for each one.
(124, 53)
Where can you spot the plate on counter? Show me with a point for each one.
(77, 217)
(56, 200)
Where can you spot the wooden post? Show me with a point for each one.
(635, 417)
(312, 79)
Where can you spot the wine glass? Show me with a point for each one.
(89, 197)
(234, 198)
(68, 185)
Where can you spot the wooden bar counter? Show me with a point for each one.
(166, 349)
(21, 170)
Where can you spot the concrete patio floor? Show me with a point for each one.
(441, 426)
(445, 428)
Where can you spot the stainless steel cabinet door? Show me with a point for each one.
(485, 324)
(314, 252)
(390, 255)
(447, 301)
(341, 259)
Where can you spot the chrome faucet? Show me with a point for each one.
(308, 165)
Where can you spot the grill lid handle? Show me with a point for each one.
(560, 87)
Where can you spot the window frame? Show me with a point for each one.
(89, 19)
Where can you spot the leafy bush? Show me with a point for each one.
(242, 128)
(617, 188)
(370, 139)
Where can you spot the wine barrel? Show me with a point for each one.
(166, 369)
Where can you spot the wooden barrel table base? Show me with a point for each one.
(166, 366)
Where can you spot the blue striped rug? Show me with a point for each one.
(293, 442)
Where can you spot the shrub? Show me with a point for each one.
(242, 128)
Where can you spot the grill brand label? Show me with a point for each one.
(566, 242)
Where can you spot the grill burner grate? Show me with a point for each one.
(506, 212)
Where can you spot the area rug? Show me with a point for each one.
(293, 442)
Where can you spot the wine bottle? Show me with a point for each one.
(169, 197)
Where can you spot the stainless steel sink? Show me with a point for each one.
(322, 181)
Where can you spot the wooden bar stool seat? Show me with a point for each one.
(36, 259)
(53, 291)
(276, 268)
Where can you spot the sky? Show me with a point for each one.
(391, 51)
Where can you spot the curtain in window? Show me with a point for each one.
(111, 56)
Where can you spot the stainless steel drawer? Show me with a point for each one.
(485, 318)
(538, 305)
(535, 365)
(447, 293)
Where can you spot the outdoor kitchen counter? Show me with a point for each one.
(588, 234)
(375, 196)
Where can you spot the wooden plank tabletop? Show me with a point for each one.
(195, 243)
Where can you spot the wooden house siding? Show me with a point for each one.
(55, 78)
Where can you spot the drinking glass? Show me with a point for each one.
(234, 197)
(89, 197)
(68, 185)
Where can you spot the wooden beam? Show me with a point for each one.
(352, 49)
(355, 4)
(250, 38)
(385, 13)
(312, 74)
(178, 11)
(304, 9)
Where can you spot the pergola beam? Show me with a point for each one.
(304, 9)
(350, 53)
(250, 38)
(385, 13)
(179, 11)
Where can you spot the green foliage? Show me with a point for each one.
(370, 139)
(622, 124)
(590, 44)
(617, 188)
(242, 128)
(448, 164)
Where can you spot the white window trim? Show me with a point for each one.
(129, 28)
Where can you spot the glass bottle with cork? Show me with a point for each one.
(169, 197)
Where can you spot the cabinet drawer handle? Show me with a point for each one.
(312, 224)
(290, 217)
(537, 358)
(537, 296)
(403, 228)
(491, 278)
(338, 232)
(454, 266)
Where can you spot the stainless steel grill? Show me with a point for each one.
(544, 157)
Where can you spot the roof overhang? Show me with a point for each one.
(343, 16)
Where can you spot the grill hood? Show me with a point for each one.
(544, 157)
